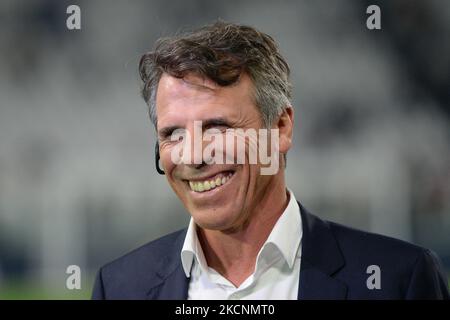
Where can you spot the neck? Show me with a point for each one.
(233, 254)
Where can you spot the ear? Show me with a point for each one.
(285, 125)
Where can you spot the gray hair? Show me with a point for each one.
(221, 52)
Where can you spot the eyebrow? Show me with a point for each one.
(167, 131)
(215, 122)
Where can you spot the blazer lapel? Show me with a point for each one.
(321, 259)
(171, 282)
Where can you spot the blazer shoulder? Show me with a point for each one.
(397, 258)
(133, 274)
(147, 254)
(409, 271)
(353, 242)
(373, 244)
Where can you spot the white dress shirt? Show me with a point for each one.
(277, 269)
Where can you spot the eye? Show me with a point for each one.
(170, 132)
(220, 127)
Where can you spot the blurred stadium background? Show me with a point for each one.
(77, 181)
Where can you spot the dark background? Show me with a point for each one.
(77, 181)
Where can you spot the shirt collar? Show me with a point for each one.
(192, 249)
(287, 232)
(285, 236)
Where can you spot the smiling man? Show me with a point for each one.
(248, 237)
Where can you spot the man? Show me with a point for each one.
(248, 237)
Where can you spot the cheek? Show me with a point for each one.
(258, 182)
(166, 160)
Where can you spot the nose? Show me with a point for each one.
(193, 146)
(197, 166)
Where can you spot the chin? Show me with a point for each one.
(214, 218)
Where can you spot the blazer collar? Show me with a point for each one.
(171, 282)
(321, 259)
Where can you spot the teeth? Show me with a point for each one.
(201, 186)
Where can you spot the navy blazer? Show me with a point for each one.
(334, 265)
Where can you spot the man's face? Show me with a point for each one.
(238, 187)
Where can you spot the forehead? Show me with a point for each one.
(197, 98)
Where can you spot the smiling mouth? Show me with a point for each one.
(210, 183)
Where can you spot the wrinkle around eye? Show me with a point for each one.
(170, 141)
(168, 133)
(218, 129)
(168, 144)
